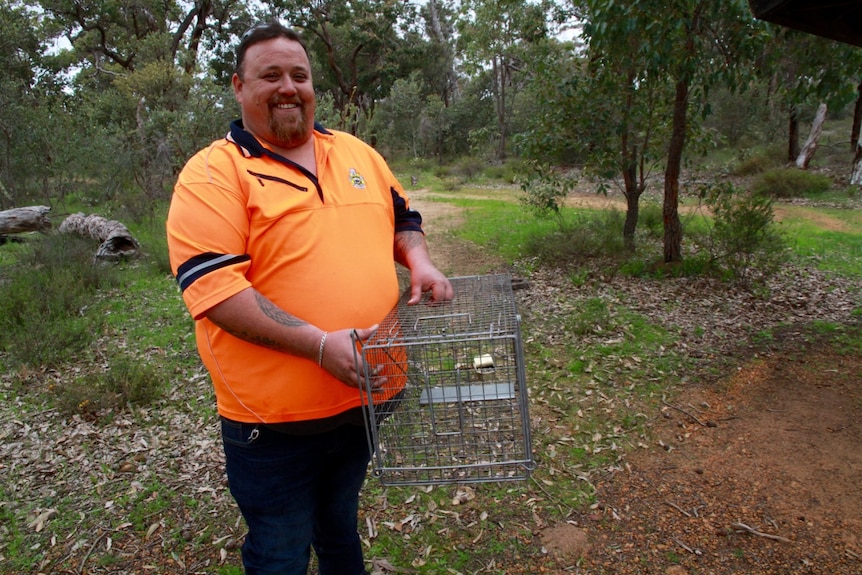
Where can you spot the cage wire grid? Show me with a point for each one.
(453, 408)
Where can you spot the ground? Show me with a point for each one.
(749, 464)
(754, 471)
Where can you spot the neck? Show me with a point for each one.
(302, 155)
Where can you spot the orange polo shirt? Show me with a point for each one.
(319, 248)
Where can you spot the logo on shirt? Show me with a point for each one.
(357, 179)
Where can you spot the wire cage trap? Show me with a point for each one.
(453, 407)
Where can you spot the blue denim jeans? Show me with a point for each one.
(295, 492)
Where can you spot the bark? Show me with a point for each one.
(27, 219)
(632, 190)
(116, 240)
(857, 119)
(670, 209)
(810, 146)
(793, 135)
(856, 175)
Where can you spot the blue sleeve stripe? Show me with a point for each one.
(203, 264)
(405, 219)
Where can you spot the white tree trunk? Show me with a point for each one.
(856, 174)
(27, 219)
(810, 146)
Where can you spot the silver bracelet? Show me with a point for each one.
(320, 353)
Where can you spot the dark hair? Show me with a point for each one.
(261, 32)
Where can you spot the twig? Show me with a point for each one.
(678, 508)
(90, 551)
(684, 546)
(552, 498)
(681, 410)
(745, 527)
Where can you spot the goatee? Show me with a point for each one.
(292, 132)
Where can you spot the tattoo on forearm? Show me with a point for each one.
(271, 311)
(405, 241)
(275, 313)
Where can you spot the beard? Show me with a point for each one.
(290, 132)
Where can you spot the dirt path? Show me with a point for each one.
(759, 473)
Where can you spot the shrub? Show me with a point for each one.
(469, 167)
(587, 235)
(790, 183)
(651, 219)
(743, 237)
(44, 298)
(544, 191)
(126, 382)
(759, 162)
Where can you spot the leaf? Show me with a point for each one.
(39, 522)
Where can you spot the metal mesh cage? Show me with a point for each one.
(453, 408)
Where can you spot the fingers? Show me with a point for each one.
(341, 356)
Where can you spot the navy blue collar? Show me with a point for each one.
(239, 136)
(249, 146)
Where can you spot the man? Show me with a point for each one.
(282, 237)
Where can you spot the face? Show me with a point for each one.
(276, 93)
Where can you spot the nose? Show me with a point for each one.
(286, 85)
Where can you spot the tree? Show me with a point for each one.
(493, 35)
(357, 48)
(696, 45)
(629, 96)
(806, 71)
(31, 106)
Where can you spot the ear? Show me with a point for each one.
(237, 87)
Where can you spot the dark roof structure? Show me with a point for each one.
(834, 19)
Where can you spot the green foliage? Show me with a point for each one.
(125, 382)
(580, 235)
(758, 161)
(545, 190)
(790, 183)
(45, 300)
(743, 239)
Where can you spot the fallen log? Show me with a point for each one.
(116, 240)
(27, 219)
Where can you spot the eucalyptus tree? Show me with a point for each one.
(694, 44)
(624, 103)
(139, 71)
(438, 62)
(31, 106)
(806, 70)
(358, 48)
(493, 38)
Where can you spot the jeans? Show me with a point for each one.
(295, 492)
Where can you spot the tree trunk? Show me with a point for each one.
(810, 146)
(632, 192)
(857, 119)
(793, 135)
(856, 175)
(117, 241)
(28, 219)
(670, 209)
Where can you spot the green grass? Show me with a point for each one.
(829, 238)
